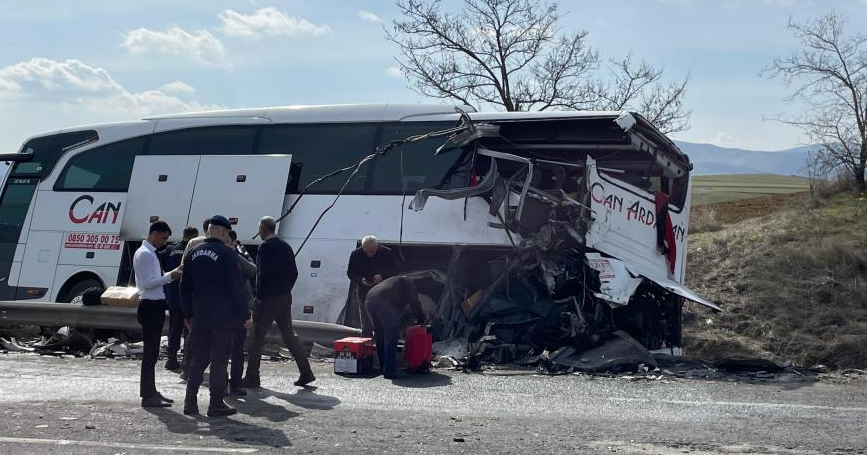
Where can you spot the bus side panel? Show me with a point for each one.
(624, 226)
(108, 275)
(322, 285)
(40, 260)
(353, 217)
(87, 228)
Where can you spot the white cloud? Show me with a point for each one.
(268, 22)
(370, 17)
(177, 87)
(393, 71)
(723, 140)
(202, 46)
(74, 84)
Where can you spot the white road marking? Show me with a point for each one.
(121, 445)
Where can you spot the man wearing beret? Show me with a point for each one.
(214, 303)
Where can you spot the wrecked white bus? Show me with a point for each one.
(534, 230)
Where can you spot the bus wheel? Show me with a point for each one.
(73, 295)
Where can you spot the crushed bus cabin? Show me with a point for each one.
(523, 231)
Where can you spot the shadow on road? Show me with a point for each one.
(306, 398)
(423, 381)
(227, 429)
(254, 404)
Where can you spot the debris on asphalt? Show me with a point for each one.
(12, 345)
(114, 348)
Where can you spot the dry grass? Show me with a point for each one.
(703, 219)
(793, 284)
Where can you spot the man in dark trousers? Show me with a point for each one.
(214, 303)
(275, 277)
(172, 256)
(369, 265)
(150, 280)
(248, 271)
(385, 303)
(185, 365)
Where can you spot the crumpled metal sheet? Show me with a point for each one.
(65, 339)
(12, 345)
(117, 348)
(617, 285)
(621, 354)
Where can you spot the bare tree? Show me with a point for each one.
(828, 73)
(511, 54)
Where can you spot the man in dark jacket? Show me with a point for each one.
(369, 266)
(248, 271)
(276, 275)
(172, 256)
(385, 303)
(213, 300)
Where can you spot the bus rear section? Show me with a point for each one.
(594, 209)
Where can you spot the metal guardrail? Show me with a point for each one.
(122, 318)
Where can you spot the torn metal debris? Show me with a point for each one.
(597, 222)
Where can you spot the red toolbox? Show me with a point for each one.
(353, 355)
(417, 351)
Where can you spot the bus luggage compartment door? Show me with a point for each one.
(241, 188)
(161, 188)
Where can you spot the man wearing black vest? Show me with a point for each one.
(171, 257)
(214, 302)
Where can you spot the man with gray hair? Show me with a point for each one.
(369, 265)
(275, 276)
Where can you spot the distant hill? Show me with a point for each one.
(710, 159)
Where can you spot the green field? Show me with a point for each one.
(708, 189)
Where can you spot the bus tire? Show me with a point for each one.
(77, 290)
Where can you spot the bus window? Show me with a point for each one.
(105, 168)
(318, 150)
(421, 169)
(220, 140)
(47, 150)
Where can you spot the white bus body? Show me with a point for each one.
(69, 194)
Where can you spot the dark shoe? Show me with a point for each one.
(251, 383)
(190, 408)
(237, 390)
(220, 409)
(185, 375)
(173, 364)
(304, 380)
(163, 398)
(153, 402)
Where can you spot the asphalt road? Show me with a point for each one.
(63, 406)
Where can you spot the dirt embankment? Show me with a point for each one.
(791, 276)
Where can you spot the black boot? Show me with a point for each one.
(172, 364)
(220, 408)
(191, 407)
(153, 402)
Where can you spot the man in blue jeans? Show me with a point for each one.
(385, 303)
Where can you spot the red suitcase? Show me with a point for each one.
(417, 352)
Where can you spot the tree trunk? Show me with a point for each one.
(859, 178)
(859, 169)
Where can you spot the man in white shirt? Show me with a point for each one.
(150, 280)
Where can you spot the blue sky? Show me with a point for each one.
(76, 62)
